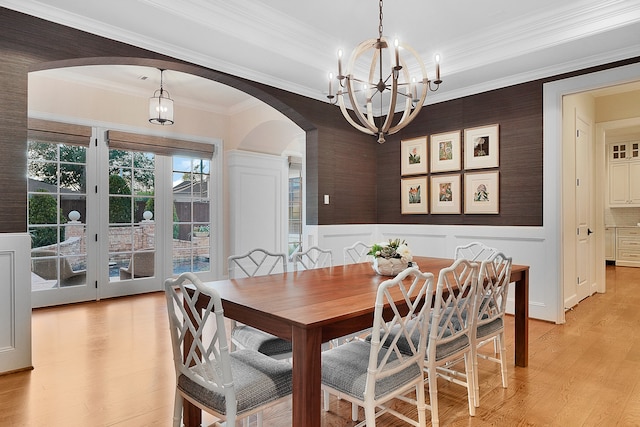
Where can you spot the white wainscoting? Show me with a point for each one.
(526, 245)
(15, 302)
(257, 202)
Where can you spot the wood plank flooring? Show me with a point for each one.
(109, 363)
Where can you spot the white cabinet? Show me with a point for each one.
(628, 246)
(624, 174)
(610, 243)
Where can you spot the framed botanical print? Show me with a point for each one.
(445, 152)
(414, 196)
(481, 147)
(481, 193)
(414, 156)
(445, 194)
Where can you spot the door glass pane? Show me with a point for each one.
(192, 232)
(131, 213)
(56, 211)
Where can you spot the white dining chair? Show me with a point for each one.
(258, 262)
(452, 331)
(356, 253)
(474, 251)
(314, 257)
(491, 306)
(228, 385)
(375, 372)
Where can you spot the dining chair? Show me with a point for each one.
(452, 332)
(474, 251)
(228, 385)
(314, 257)
(375, 372)
(356, 253)
(491, 305)
(258, 262)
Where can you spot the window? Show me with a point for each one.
(192, 231)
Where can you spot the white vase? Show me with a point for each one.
(389, 266)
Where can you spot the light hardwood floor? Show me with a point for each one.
(108, 363)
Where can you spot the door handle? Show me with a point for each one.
(589, 231)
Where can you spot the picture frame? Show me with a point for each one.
(414, 156)
(446, 196)
(414, 195)
(482, 147)
(482, 193)
(445, 151)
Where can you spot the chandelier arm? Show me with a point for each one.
(352, 122)
(392, 102)
(409, 114)
(363, 120)
(413, 113)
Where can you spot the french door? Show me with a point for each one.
(109, 221)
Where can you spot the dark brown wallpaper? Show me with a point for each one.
(361, 176)
(518, 111)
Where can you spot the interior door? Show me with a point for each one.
(583, 209)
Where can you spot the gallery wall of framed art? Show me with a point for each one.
(454, 172)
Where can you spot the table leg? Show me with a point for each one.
(307, 369)
(522, 319)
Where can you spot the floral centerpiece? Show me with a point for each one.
(391, 258)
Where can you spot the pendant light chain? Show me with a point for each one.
(380, 24)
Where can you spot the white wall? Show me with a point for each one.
(258, 196)
(15, 302)
(526, 245)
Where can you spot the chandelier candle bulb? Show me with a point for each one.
(437, 69)
(397, 54)
(330, 85)
(414, 90)
(340, 76)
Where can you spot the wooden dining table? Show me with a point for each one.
(312, 307)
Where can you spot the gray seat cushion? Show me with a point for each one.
(257, 378)
(255, 339)
(344, 368)
(489, 328)
(443, 350)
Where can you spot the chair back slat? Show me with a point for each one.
(453, 305)
(386, 356)
(493, 287)
(475, 251)
(257, 262)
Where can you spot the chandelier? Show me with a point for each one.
(383, 87)
(161, 106)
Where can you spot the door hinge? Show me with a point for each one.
(96, 189)
(96, 237)
(96, 284)
(96, 142)
(578, 182)
(577, 133)
(578, 231)
(578, 282)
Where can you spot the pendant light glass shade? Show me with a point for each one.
(161, 106)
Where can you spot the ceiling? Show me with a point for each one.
(292, 44)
